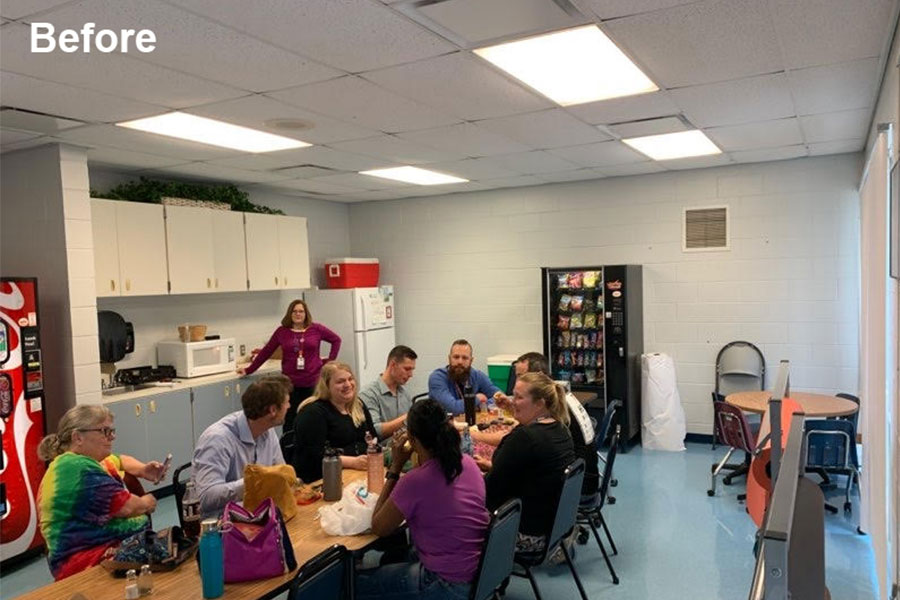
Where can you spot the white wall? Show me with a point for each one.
(250, 317)
(468, 265)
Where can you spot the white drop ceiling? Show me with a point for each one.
(382, 83)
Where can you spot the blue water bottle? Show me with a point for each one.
(212, 559)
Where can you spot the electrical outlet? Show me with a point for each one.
(243, 349)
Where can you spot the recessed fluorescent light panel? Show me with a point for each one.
(216, 133)
(571, 67)
(414, 175)
(681, 144)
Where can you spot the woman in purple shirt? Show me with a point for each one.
(442, 500)
(300, 340)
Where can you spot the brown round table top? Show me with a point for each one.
(814, 405)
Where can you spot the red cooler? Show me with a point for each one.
(351, 272)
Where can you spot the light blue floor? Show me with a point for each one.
(674, 541)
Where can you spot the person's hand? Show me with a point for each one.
(149, 501)
(241, 371)
(153, 471)
(400, 450)
(483, 463)
(479, 398)
(503, 401)
(358, 463)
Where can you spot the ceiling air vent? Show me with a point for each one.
(705, 228)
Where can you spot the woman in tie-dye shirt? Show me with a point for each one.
(83, 505)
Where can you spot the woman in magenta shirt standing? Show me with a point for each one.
(300, 340)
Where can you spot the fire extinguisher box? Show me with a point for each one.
(351, 272)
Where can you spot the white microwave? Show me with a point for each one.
(194, 359)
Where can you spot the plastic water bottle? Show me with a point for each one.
(465, 442)
(375, 464)
(332, 483)
(190, 511)
(212, 559)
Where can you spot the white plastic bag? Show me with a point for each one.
(352, 514)
(663, 425)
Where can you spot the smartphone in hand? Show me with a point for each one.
(165, 468)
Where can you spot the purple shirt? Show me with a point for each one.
(447, 522)
(293, 343)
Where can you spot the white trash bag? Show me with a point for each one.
(352, 514)
(663, 425)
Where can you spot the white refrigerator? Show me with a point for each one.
(364, 318)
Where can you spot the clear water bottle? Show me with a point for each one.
(469, 403)
(374, 464)
(212, 559)
(465, 442)
(190, 511)
(332, 483)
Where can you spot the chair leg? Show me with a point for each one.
(609, 566)
(574, 572)
(537, 592)
(715, 472)
(608, 536)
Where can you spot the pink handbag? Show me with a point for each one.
(256, 544)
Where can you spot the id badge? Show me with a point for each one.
(301, 362)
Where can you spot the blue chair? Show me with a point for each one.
(831, 448)
(592, 515)
(609, 418)
(496, 562)
(563, 523)
(328, 574)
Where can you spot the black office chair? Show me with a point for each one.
(511, 379)
(496, 562)
(328, 574)
(418, 397)
(178, 489)
(287, 446)
(831, 447)
(592, 515)
(609, 419)
(563, 523)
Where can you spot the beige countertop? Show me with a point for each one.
(177, 385)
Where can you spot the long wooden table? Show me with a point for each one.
(183, 583)
(814, 405)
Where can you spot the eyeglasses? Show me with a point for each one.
(106, 431)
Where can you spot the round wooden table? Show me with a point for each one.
(814, 405)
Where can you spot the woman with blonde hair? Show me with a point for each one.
(333, 416)
(83, 506)
(540, 446)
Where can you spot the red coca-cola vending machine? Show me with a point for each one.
(21, 417)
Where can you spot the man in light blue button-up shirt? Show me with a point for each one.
(237, 440)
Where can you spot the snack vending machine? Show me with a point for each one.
(594, 335)
(21, 417)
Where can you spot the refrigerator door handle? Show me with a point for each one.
(363, 319)
(365, 339)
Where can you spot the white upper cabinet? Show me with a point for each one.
(293, 243)
(190, 249)
(263, 262)
(129, 248)
(229, 251)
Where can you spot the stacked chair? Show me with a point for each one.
(740, 366)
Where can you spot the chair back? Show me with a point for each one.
(606, 426)
(854, 418)
(830, 443)
(499, 548)
(567, 507)
(732, 427)
(287, 446)
(608, 468)
(418, 397)
(511, 380)
(328, 574)
(178, 489)
(740, 366)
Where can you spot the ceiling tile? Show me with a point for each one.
(116, 73)
(117, 157)
(389, 147)
(195, 45)
(610, 9)
(314, 185)
(34, 122)
(520, 181)
(373, 195)
(17, 9)
(68, 101)
(253, 111)
(819, 32)
(363, 182)
(769, 154)
(302, 172)
(468, 139)
(353, 35)
(226, 174)
(578, 175)
(837, 147)
(835, 87)
(330, 158)
(11, 136)
(745, 100)
(701, 42)
(632, 108)
(750, 136)
(698, 162)
(600, 155)
(460, 85)
(474, 169)
(545, 129)
(139, 141)
(538, 161)
(360, 102)
(829, 127)
(623, 170)
(649, 127)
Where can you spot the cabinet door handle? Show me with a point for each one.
(227, 391)
(217, 283)
(285, 280)
(128, 285)
(237, 388)
(208, 283)
(276, 280)
(112, 284)
(137, 410)
(152, 406)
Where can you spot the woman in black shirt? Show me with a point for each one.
(530, 461)
(334, 416)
